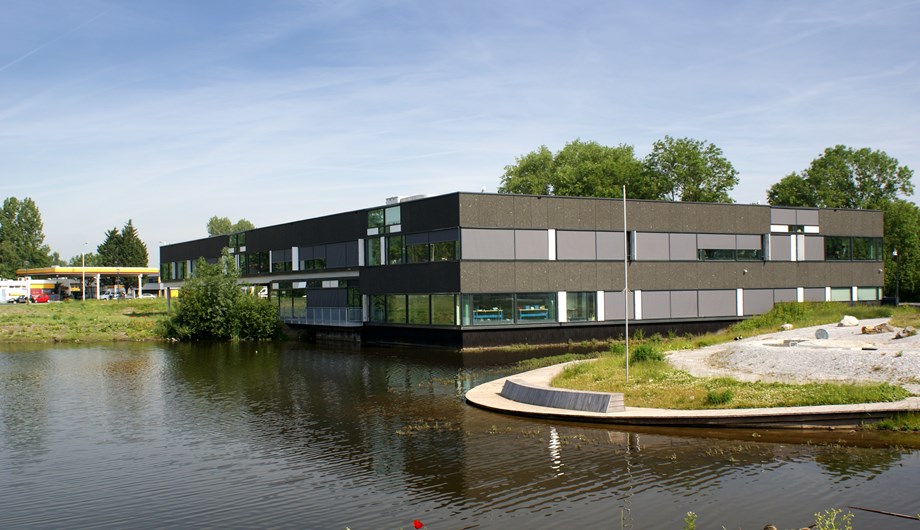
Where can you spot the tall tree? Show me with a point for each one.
(902, 233)
(691, 170)
(221, 226)
(21, 237)
(123, 249)
(843, 177)
(585, 169)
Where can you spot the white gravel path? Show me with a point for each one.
(797, 356)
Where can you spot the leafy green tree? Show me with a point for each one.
(92, 260)
(221, 226)
(843, 177)
(691, 170)
(21, 237)
(211, 306)
(583, 169)
(902, 232)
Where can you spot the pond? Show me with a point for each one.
(306, 436)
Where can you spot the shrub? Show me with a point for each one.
(719, 397)
(646, 352)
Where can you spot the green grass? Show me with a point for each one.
(654, 383)
(87, 321)
(904, 422)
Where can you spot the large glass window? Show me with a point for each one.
(749, 254)
(868, 293)
(396, 250)
(299, 303)
(718, 254)
(375, 218)
(373, 251)
(396, 308)
(378, 308)
(444, 309)
(419, 310)
(417, 253)
(581, 307)
(281, 260)
(491, 308)
(867, 248)
(444, 251)
(535, 307)
(393, 216)
(840, 294)
(837, 248)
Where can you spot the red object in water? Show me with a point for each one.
(417, 524)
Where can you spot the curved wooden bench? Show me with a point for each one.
(560, 398)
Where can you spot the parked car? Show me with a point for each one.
(40, 299)
(21, 299)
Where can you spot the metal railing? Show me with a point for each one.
(325, 316)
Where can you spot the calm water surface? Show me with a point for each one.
(298, 436)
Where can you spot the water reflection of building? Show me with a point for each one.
(470, 269)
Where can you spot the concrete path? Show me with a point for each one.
(487, 396)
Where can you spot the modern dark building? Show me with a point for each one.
(475, 269)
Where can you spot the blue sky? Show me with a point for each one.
(169, 112)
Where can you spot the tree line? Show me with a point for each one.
(687, 169)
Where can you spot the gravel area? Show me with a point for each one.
(798, 356)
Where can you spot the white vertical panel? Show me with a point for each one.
(360, 252)
(295, 258)
(637, 305)
(854, 296)
(800, 247)
(800, 294)
(600, 306)
(551, 243)
(827, 294)
(739, 302)
(365, 308)
(793, 247)
(270, 260)
(561, 307)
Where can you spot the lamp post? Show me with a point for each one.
(83, 288)
(897, 277)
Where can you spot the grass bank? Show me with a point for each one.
(654, 383)
(86, 321)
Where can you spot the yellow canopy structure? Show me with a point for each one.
(98, 272)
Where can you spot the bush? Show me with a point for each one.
(717, 397)
(646, 352)
(211, 306)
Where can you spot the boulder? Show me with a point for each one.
(786, 327)
(848, 321)
(881, 328)
(906, 332)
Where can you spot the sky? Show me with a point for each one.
(170, 112)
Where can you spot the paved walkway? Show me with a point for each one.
(488, 396)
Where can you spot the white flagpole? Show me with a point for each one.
(626, 280)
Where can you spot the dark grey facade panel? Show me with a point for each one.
(614, 308)
(431, 213)
(815, 294)
(652, 246)
(437, 277)
(305, 253)
(417, 239)
(439, 236)
(487, 244)
(576, 245)
(757, 301)
(682, 247)
(337, 255)
(610, 246)
(721, 303)
(656, 304)
(531, 244)
(322, 230)
(192, 250)
(684, 304)
(863, 223)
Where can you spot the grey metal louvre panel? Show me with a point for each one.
(609, 245)
(684, 304)
(757, 301)
(531, 244)
(814, 248)
(715, 241)
(576, 245)
(806, 217)
(656, 304)
(487, 244)
(779, 248)
(652, 246)
(720, 303)
(784, 295)
(613, 306)
(782, 216)
(815, 294)
(749, 242)
(682, 247)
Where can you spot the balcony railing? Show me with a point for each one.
(322, 316)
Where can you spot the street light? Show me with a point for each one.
(897, 277)
(83, 289)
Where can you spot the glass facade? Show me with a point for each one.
(581, 307)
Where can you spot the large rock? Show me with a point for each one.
(786, 327)
(906, 332)
(848, 321)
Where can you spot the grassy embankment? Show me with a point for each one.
(654, 383)
(88, 321)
